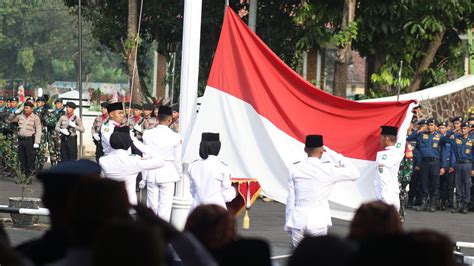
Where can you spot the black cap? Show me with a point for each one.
(165, 110)
(71, 105)
(41, 99)
(104, 104)
(443, 123)
(58, 100)
(466, 124)
(456, 119)
(422, 122)
(470, 118)
(30, 99)
(30, 104)
(120, 140)
(314, 141)
(432, 121)
(208, 136)
(2, 98)
(14, 99)
(114, 107)
(149, 106)
(389, 130)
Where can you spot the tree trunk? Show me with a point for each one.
(131, 51)
(160, 78)
(426, 61)
(343, 53)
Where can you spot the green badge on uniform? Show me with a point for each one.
(380, 168)
(384, 157)
(398, 145)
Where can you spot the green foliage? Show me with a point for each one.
(26, 59)
(344, 37)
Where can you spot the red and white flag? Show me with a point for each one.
(263, 110)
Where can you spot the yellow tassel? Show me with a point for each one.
(246, 224)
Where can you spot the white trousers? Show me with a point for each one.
(392, 198)
(159, 198)
(298, 234)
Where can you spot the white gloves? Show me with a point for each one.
(138, 128)
(96, 136)
(72, 124)
(142, 184)
(336, 158)
(18, 111)
(36, 145)
(64, 131)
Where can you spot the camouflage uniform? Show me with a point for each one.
(3, 139)
(13, 164)
(404, 177)
(53, 137)
(41, 157)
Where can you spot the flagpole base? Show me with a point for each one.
(180, 211)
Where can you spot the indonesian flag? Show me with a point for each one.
(21, 94)
(263, 111)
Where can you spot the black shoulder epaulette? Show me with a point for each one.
(297, 162)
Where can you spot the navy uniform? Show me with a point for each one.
(446, 180)
(414, 194)
(429, 145)
(461, 162)
(310, 183)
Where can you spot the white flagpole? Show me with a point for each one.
(187, 100)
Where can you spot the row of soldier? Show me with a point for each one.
(437, 170)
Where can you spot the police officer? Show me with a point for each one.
(96, 125)
(68, 125)
(209, 178)
(461, 164)
(309, 185)
(29, 137)
(161, 182)
(429, 146)
(457, 121)
(446, 180)
(388, 164)
(116, 117)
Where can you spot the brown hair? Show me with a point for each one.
(375, 219)
(213, 225)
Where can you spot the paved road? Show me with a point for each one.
(267, 219)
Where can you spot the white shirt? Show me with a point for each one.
(105, 132)
(122, 166)
(210, 182)
(310, 184)
(166, 144)
(386, 179)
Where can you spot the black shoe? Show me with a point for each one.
(464, 208)
(459, 208)
(422, 206)
(432, 207)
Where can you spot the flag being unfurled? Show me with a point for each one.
(263, 111)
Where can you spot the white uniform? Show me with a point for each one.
(160, 182)
(310, 184)
(105, 132)
(210, 182)
(386, 180)
(122, 166)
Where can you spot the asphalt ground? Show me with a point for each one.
(266, 221)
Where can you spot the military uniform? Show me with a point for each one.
(462, 158)
(53, 137)
(310, 183)
(29, 136)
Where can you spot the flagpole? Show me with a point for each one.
(187, 100)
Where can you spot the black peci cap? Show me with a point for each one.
(114, 107)
(389, 130)
(314, 141)
(208, 136)
(165, 110)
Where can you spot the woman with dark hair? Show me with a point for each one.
(375, 219)
(209, 177)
